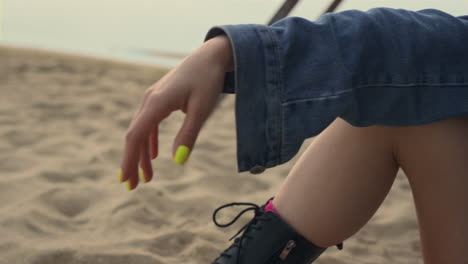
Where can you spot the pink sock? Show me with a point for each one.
(271, 207)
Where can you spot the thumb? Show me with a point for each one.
(187, 135)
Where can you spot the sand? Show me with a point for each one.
(62, 123)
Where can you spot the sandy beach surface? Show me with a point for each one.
(62, 124)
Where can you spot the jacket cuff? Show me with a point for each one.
(257, 82)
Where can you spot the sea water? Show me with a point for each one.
(154, 31)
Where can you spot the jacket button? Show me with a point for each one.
(257, 169)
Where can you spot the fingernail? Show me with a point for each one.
(143, 176)
(129, 185)
(120, 176)
(181, 154)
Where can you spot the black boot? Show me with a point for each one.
(266, 239)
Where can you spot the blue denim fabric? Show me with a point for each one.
(388, 67)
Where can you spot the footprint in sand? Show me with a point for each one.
(170, 244)
(123, 104)
(144, 215)
(116, 259)
(58, 148)
(27, 227)
(13, 163)
(8, 117)
(59, 256)
(88, 130)
(52, 111)
(70, 202)
(69, 177)
(124, 122)
(20, 138)
(203, 252)
(74, 257)
(95, 108)
(233, 184)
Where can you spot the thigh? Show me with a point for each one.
(345, 173)
(435, 160)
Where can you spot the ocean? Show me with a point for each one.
(154, 31)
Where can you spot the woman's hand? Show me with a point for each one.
(193, 87)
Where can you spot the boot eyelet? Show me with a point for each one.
(287, 249)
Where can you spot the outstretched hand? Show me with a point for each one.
(192, 87)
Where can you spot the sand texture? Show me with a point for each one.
(62, 124)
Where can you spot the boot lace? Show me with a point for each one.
(252, 224)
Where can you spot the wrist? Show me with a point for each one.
(222, 51)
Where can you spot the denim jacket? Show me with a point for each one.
(389, 67)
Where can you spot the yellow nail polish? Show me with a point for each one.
(143, 176)
(120, 176)
(181, 154)
(129, 186)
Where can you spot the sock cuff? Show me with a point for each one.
(271, 207)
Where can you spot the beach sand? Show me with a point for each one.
(62, 123)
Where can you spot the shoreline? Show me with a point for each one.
(105, 59)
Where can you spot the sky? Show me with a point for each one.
(122, 28)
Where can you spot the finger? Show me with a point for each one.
(129, 161)
(154, 142)
(129, 164)
(151, 113)
(145, 163)
(146, 95)
(185, 139)
(132, 182)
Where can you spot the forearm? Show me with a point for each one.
(219, 50)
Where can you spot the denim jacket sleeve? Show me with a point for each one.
(385, 66)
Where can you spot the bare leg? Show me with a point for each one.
(435, 160)
(339, 182)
